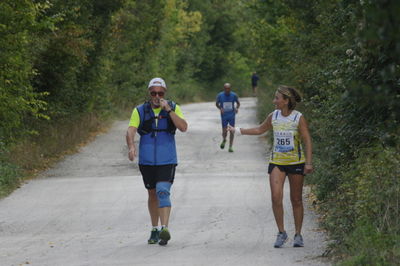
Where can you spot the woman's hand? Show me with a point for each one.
(308, 169)
(230, 128)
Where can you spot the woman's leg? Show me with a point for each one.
(296, 197)
(276, 181)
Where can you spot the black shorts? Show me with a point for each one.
(296, 169)
(152, 174)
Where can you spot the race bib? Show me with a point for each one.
(228, 106)
(284, 141)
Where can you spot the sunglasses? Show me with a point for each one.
(154, 93)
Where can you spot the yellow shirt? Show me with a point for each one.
(287, 148)
(135, 118)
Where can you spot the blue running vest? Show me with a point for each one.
(157, 139)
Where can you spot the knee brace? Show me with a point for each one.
(163, 192)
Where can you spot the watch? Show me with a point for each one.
(169, 111)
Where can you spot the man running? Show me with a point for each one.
(254, 81)
(226, 104)
(156, 121)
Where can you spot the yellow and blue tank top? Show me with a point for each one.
(287, 148)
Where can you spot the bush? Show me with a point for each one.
(344, 56)
(368, 246)
(9, 173)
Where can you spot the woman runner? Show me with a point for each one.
(287, 158)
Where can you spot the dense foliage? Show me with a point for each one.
(67, 65)
(344, 56)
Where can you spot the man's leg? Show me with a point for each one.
(148, 175)
(164, 208)
(163, 194)
(154, 215)
(224, 135)
(164, 215)
(232, 134)
(153, 207)
(254, 90)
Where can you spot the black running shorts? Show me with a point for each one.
(297, 169)
(152, 174)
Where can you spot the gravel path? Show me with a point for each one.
(91, 208)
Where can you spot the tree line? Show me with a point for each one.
(68, 65)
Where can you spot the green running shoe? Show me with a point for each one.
(230, 149)
(222, 146)
(164, 236)
(154, 237)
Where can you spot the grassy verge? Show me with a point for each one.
(30, 156)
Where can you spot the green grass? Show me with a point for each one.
(34, 154)
(9, 178)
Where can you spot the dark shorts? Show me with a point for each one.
(296, 169)
(152, 174)
(226, 120)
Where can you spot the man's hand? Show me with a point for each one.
(236, 110)
(132, 153)
(164, 105)
(230, 128)
(222, 110)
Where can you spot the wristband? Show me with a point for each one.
(237, 131)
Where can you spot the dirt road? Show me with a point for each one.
(91, 208)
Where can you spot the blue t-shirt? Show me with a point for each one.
(227, 102)
(254, 80)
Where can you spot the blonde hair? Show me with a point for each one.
(290, 93)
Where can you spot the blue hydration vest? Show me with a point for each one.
(157, 141)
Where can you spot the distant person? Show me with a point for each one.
(226, 104)
(287, 158)
(254, 82)
(156, 121)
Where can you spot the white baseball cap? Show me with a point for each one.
(157, 82)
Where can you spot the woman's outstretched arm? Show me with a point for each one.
(262, 128)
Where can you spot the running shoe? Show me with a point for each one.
(230, 149)
(298, 241)
(154, 236)
(281, 238)
(164, 236)
(222, 144)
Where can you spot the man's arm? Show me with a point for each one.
(130, 141)
(237, 104)
(218, 105)
(180, 123)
